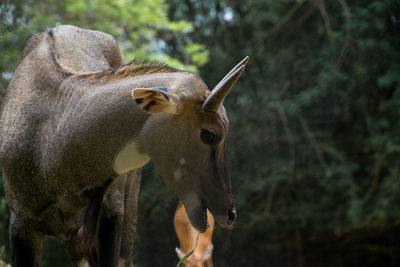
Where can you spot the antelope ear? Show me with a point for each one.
(154, 100)
(179, 253)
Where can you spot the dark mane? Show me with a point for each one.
(131, 69)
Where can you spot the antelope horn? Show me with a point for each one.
(243, 62)
(214, 101)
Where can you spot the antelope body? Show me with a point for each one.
(77, 126)
(187, 235)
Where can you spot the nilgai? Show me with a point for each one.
(77, 125)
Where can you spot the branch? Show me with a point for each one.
(308, 13)
(275, 29)
(325, 17)
(376, 178)
(288, 132)
(347, 14)
(314, 144)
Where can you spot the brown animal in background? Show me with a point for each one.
(187, 235)
(75, 125)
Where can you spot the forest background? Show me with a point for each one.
(314, 143)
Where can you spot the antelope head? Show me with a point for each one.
(185, 137)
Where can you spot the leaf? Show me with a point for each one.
(190, 253)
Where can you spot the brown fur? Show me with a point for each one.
(187, 235)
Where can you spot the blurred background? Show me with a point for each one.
(314, 143)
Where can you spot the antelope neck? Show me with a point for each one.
(129, 158)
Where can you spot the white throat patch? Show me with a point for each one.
(129, 158)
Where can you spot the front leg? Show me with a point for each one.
(109, 240)
(26, 243)
(118, 222)
(132, 188)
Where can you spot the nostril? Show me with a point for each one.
(231, 215)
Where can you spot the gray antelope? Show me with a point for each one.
(76, 127)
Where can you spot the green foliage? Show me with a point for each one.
(155, 240)
(198, 53)
(314, 120)
(141, 27)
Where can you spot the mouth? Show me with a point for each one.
(196, 209)
(198, 217)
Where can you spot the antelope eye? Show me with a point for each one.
(207, 137)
